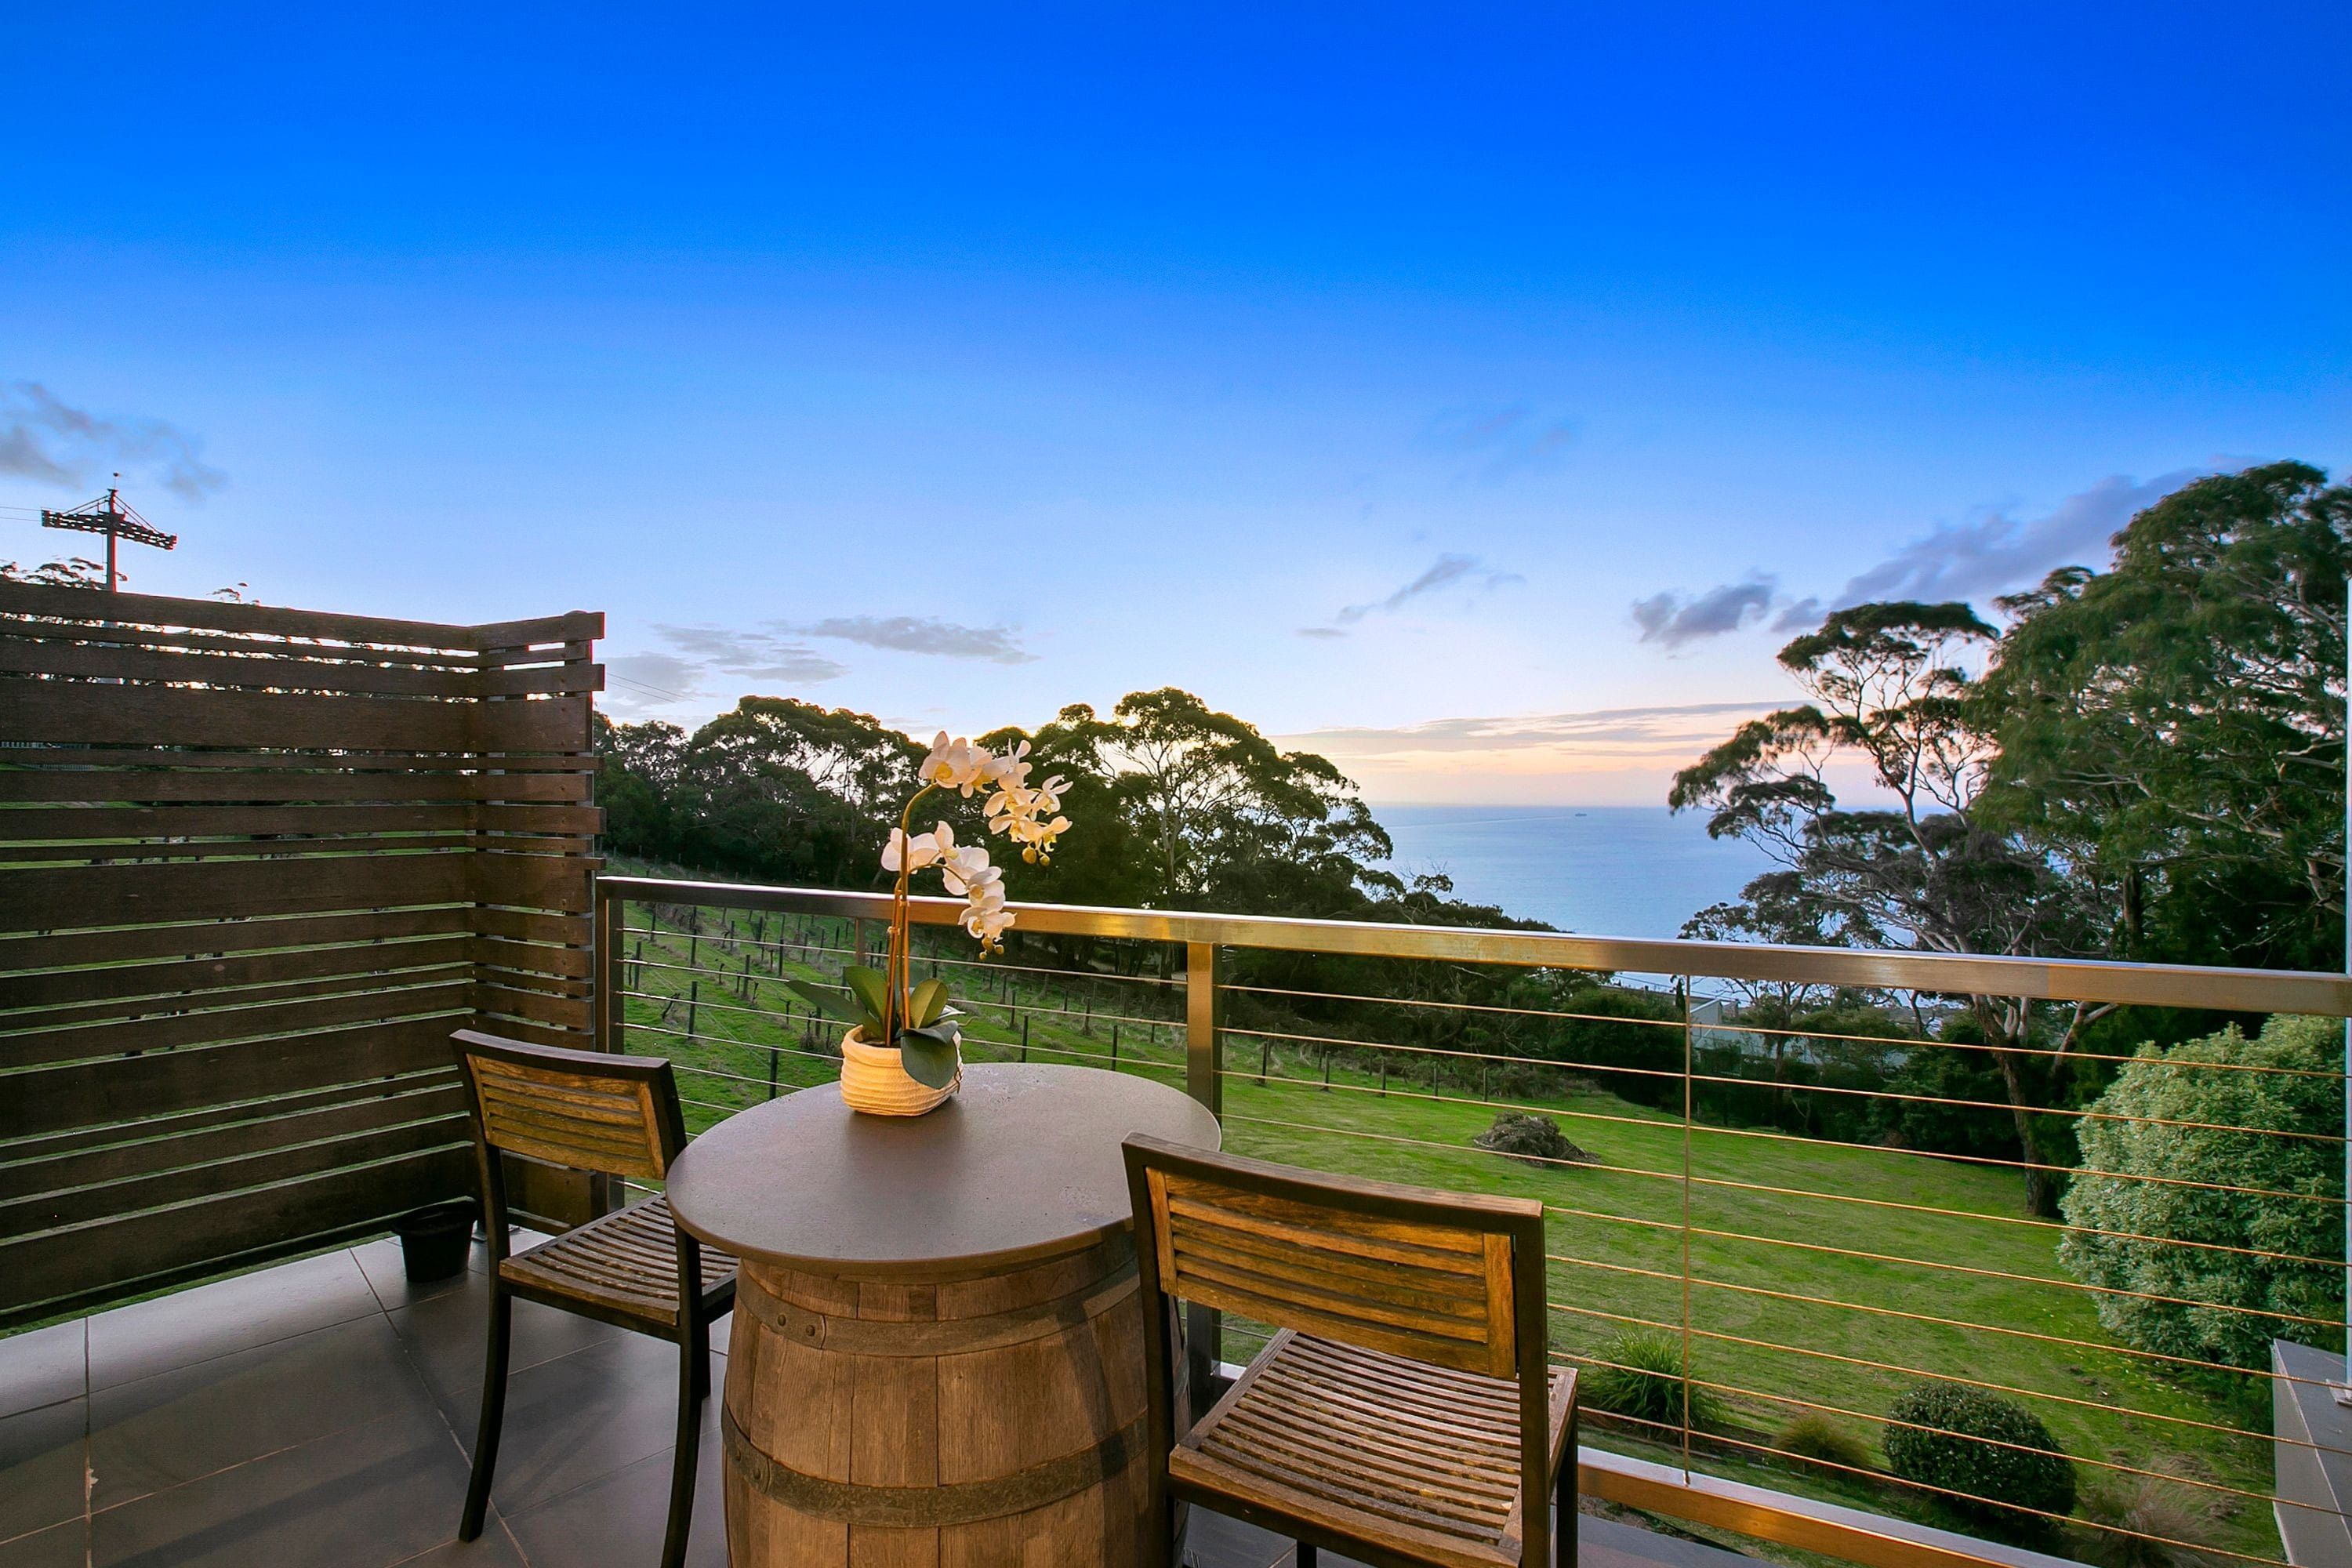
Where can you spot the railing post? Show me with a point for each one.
(609, 1009)
(1204, 1079)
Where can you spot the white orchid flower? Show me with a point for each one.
(954, 764)
(917, 852)
(968, 868)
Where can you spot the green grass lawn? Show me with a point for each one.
(1616, 1229)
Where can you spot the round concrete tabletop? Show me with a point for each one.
(1021, 1164)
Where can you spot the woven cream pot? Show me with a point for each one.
(873, 1080)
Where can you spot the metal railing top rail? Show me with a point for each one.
(2084, 980)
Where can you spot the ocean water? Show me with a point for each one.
(1604, 870)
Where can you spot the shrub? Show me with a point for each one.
(1524, 1135)
(1982, 1446)
(1813, 1435)
(1645, 1381)
(2270, 1291)
(2139, 1507)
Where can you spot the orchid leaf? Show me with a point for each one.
(929, 1061)
(871, 988)
(832, 1003)
(930, 1000)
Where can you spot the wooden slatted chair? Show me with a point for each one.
(617, 1116)
(1405, 1411)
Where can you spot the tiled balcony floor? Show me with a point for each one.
(321, 1412)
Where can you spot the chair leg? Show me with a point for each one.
(494, 1409)
(1563, 1513)
(693, 1382)
(1306, 1554)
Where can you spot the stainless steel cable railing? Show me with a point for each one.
(1788, 1277)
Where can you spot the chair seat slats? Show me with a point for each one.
(1367, 1443)
(626, 1261)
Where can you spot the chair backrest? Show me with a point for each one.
(617, 1116)
(1436, 1276)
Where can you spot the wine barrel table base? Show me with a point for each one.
(890, 1402)
(981, 1421)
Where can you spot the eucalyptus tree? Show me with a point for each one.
(1894, 697)
(2174, 726)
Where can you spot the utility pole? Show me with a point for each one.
(109, 517)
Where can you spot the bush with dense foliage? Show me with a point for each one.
(1980, 1446)
(2287, 1079)
(1639, 1374)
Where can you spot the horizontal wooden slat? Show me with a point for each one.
(509, 1002)
(63, 823)
(324, 754)
(57, 712)
(519, 925)
(306, 850)
(121, 985)
(37, 1028)
(207, 939)
(365, 781)
(146, 1143)
(459, 661)
(535, 1034)
(532, 881)
(301, 1146)
(387, 997)
(532, 957)
(144, 609)
(74, 896)
(60, 1268)
(123, 1089)
(262, 667)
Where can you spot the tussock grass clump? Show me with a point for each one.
(1645, 1381)
(1813, 1435)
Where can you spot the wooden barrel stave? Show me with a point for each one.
(981, 1420)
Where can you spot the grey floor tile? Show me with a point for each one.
(41, 1467)
(388, 1275)
(178, 1425)
(60, 1546)
(42, 1366)
(493, 1549)
(447, 1336)
(365, 1497)
(580, 1417)
(225, 1316)
(1611, 1544)
(621, 1518)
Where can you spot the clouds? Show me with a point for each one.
(687, 667)
(1993, 554)
(756, 656)
(44, 440)
(1502, 441)
(1670, 620)
(912, 634)
(1998, 552)
(1448, 570)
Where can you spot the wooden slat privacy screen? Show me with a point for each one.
(256, 864)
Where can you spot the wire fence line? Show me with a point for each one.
(1730, 1243)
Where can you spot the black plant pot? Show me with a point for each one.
(433, 1241)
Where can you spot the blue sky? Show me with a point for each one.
(1472, 391)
